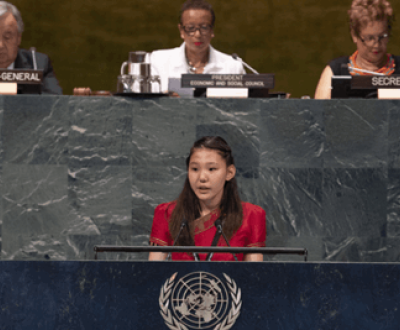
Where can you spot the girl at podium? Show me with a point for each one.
(195, 55)
(209, 193)
(370, 28)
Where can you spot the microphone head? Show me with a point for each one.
(218, 223)
(32, 49)
(235, 56)
(184, 223)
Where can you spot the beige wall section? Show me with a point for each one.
(88, 40)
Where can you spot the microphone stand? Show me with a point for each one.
(183, 225)
(237, 58)
(227, 243)
(369, 72)
(218, 224)
(215, 240)
(33, 50)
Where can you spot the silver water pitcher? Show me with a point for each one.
(136, 60)
(140, 72)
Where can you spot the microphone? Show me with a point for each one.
(219, 232)
(218, 224)
(33, 50)
(237, 58)
(183, 225)
(227, 242)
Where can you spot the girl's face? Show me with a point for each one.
(207, 175)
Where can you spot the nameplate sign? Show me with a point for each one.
(375, 82)
(266, 81)
(21, 76)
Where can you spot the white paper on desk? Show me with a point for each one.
(8, 88)
(388, 94)
(174, 85)
(228, 92)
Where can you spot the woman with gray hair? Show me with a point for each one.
(13, 57)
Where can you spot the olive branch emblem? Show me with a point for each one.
(173, 324)
(165, 292)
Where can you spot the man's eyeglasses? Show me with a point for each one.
(191, 30)
(371, 40)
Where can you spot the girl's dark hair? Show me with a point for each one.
(188, 205)
(197, 4)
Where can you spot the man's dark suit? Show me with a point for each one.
(24, 61)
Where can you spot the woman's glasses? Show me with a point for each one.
(371, 40)
(191, 30)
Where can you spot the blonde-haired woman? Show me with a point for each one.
(370, 26)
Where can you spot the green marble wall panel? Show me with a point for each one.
(83, 171)
(292, 136)
(35, 217)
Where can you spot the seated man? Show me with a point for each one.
(13, 57)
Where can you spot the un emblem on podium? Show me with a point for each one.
(200, 300)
